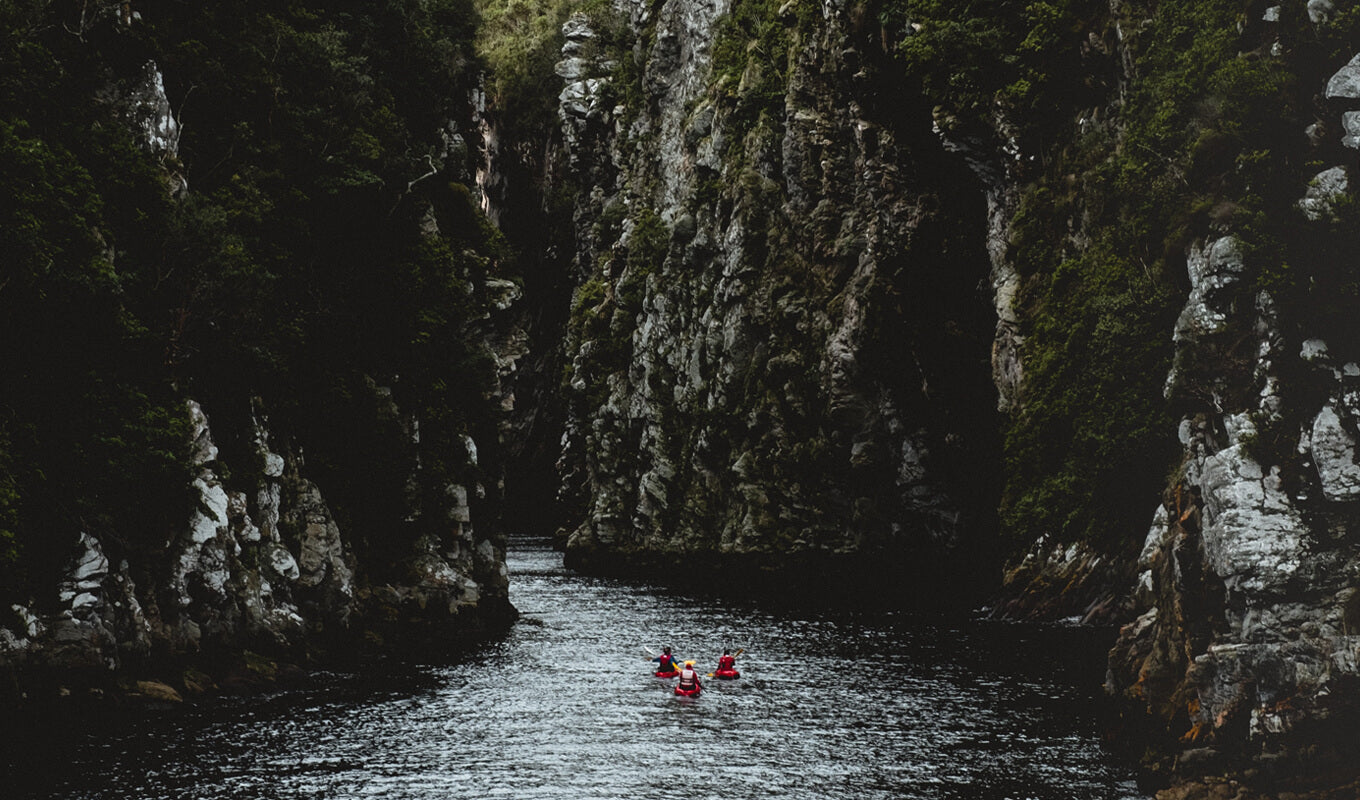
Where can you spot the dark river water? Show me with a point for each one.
(565, 707)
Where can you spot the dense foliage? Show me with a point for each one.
(1137, 136)
(326, 246)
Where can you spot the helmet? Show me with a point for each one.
(689, 663)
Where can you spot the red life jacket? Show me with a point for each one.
(688, 678)
(727, 662)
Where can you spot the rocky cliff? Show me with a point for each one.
(910, 300)
(1245, 646)
(259, 567)
(778, 346)
(239, 434)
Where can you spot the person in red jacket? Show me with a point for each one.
(689, 680)
(665, 663)
(726, 665)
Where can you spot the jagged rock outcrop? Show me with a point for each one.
(266, 569)
(776, 288)
(1246, 646)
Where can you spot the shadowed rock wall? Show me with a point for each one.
(780, 338)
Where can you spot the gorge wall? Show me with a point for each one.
(900, 286)
(255, 346)
(778, 344)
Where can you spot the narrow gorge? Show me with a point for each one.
(1041, 309)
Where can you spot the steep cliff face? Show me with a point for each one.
(1246, 646)
(358, 313)
(779, 342)
(1242, 657)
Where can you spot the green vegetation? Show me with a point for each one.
(1206, 144)
(520, 41)
(299, 267)
(1093, 440)
(751, 52)
(976, 59)
(647, 247)
(605, 314)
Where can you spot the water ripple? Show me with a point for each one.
(565, 706)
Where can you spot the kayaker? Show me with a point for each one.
(666, 662)
(726, 662)
(689, 680)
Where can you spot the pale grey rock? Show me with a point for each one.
(1156, 536)
(1008, 342)
(267, 503)
(91, 567)
(577, 28)
(31, 624)
(203, 449)
(1332, 447)
(1316, 134)
(1345, 83)
(321, 557)
(572, 69)
(210, 520)
(431, 567)
(1271, 14)
(1314, 351)
(459, 510)
(1253, 536)
(282, 562)
(148, 110)
(502, 293)
(1212, 269)
(1350, 124)
(1320, 11)
(243, 528)
(1323, 192)
(1282, 647)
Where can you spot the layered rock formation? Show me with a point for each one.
(1247, 646)
(778, 285)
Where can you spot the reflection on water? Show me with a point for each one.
(828, 706)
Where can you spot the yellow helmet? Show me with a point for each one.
(689, 663)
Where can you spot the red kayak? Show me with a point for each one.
(675, 673)
(726, 674)
(688, 692)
